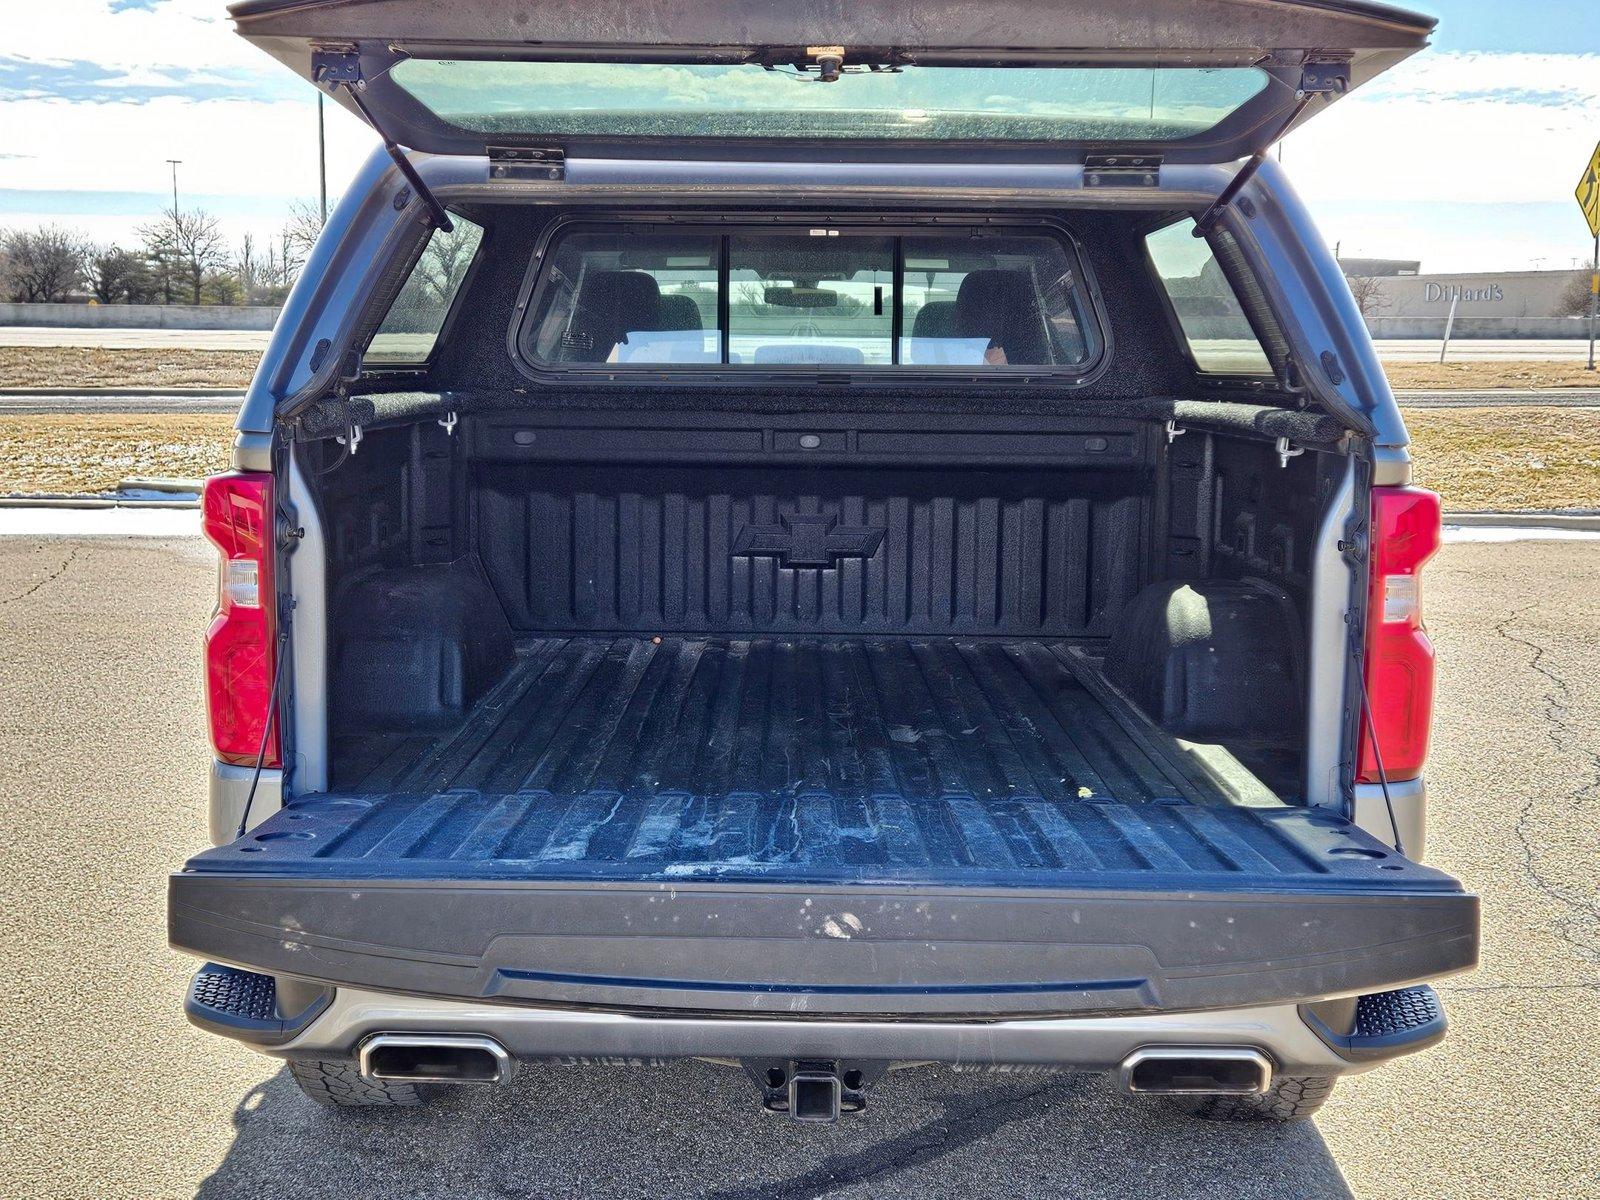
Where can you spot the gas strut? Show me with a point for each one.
(334, 69)
(1325, 79)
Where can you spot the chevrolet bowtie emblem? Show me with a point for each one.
(807, 540)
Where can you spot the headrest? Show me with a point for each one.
(680, 312)
(612, 303)
(1003, 306)
(935, 319)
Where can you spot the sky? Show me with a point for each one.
(1464, 157)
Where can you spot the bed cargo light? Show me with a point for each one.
(240, 658)
(1399, 657)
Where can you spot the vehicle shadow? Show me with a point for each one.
(696, 1130)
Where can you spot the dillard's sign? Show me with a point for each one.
(1433, 293)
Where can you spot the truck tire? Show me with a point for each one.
(1289, 1098)
(338, 1083)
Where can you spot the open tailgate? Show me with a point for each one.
(528, 898)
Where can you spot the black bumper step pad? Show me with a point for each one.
(244, 1005)
(1388, 1023)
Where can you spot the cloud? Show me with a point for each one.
(1465, 128)
(156, 34)
(231, 146)
(95, 95)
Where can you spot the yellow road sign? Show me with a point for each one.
(1588, 192)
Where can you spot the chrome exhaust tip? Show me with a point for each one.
(434, 1058)
(1196, 1071)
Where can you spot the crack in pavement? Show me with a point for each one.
(1583, 920)
(1446, 990)
(966, 1119)
(50, 578)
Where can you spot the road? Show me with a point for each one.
(140, 339)
(1411, 350)
(109, 1093)
(1462, 349)
(187, 400)
(198, 401)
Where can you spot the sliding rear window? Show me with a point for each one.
(972, 301)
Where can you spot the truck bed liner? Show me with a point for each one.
(916, 827)
(920, 719)
(984, 762)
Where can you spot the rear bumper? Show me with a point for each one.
(1282, 1032)
(836, 952)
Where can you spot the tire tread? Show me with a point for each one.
(338, 1083)
(1290, 1098)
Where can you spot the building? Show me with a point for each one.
(1510, 304)
(1380, 267)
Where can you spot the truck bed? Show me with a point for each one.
(821, 825)
(918, 718)
(990, 761)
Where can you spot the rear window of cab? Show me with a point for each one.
(614, 299)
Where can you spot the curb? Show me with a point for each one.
(173, 393)
(1587, 521)
(1582, 521)
(1585, 390)
(178, 487)
(91, 502)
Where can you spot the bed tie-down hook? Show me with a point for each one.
(1174, 431)
(352, 439)
(1286, 452)
(448, 423)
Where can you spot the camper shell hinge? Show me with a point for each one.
(527, 162)
(1122, 170)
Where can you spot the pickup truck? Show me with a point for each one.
(821, 538)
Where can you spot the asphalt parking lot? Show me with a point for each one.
(109, 1093)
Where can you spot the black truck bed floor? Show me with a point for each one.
(919, 719)
(973, 762)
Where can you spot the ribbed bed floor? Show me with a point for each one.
(813, 758)
(917, 719)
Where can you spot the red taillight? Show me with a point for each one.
(240, 656)
(1399, 664)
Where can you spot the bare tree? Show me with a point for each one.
(428, 290)
(121, 276)
(44, 264)
(188, 248)
(300, 233)
(1370, 296)
(1574, 299)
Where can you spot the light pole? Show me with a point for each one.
(174, 162)
(1594, 301)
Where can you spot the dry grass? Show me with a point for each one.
(76, 366)
(1478, 458)
(90, 367)
(1505, 459)
(61, 453)
(1489, 373)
